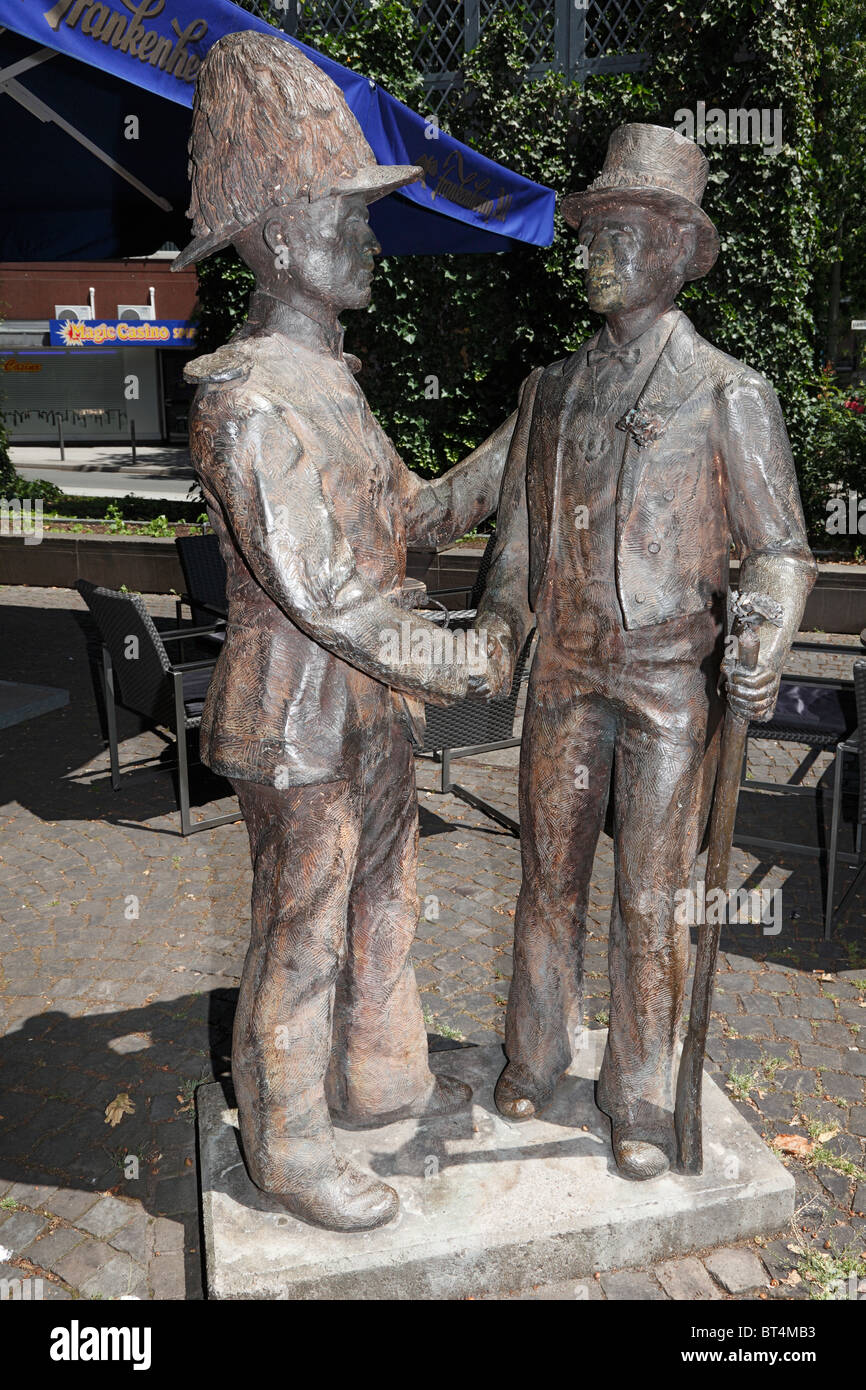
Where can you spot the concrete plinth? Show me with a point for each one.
(487, 1205)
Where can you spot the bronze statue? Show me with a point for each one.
(634, 464)
(312, 706)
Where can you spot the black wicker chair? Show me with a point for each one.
(821, 713)
(855, 744)
(139, 676)
(474, 725)
(204, 574)
(471, 596)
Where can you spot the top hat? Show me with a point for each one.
(653, 165)
(268, 126)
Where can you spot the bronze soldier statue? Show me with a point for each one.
(635, 463)
(312, 704)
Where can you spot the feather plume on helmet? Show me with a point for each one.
(268, 128)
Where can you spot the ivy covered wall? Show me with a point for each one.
(478, 324)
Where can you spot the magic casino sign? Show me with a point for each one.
(128, 32)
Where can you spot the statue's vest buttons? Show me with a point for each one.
(653, 547)
(669, 495)
(640, 598)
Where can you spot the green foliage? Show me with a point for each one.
(479, 323)
(117, 511)
(116, 524)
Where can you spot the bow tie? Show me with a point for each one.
(627, 356)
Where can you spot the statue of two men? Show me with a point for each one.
(624, 474)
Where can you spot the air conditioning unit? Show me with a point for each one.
(136, 311)
(73, 313)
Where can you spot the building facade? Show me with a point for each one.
(92, 351)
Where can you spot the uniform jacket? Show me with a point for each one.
(314, 511)
(707, 462)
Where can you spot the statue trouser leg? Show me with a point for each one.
(328, 989)
(566, 760)
(660, 801)
(378, 1064)
(662, 779)
(304, 844)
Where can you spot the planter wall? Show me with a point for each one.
(142, 563)
(150, 566)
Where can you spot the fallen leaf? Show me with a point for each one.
(793, 1279)
(823, 975)
(793, 1144)
(117, 1108)
(828, 1134)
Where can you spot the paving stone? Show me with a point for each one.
(796, 1079)
(20, 1229)
(736, 1270)
(51, 1249)
(177, 1196)
(686, 1279)
(797, 1029)
(837, 1184)
(834, 1034)
(633, 1285)
(119, 1277)
(106, 1217)
(854, 1062)
(86, 1260)
(775, 983)
(735, 983)
(28, 1194)
(755, 1026)
(838, 1084)
(71, 1205)
(167, 1276)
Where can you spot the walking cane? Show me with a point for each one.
(747, 610)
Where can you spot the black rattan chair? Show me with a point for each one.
(473, 725)
(139, 676)
(819, 712)
(204, 574)
(855, 744)
(476, 726)
(471, 595)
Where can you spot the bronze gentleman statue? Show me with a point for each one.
(635, 462)
(311, 706)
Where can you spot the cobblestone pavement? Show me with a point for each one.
(122, 945)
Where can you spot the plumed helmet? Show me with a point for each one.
(268, 127)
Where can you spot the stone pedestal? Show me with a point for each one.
(487, 1205)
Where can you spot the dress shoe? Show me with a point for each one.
(518, 1096)
(344, 1199)
(638, 1159)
